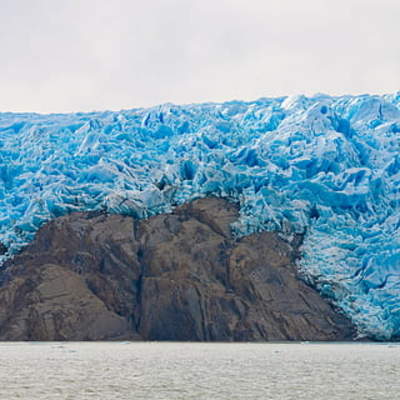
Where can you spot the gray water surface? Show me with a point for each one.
(215, 371)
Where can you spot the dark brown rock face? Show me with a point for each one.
(179, 276)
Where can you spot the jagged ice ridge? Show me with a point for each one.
(326, 166)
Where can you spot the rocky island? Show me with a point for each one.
(179, 276)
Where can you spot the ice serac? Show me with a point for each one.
(326, 166)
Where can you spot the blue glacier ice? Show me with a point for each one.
(326, 166)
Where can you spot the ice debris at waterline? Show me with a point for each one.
(329, 166)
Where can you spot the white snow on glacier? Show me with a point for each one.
(327, 166)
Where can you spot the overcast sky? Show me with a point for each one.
(84, 55)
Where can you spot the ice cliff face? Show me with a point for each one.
(326, 166)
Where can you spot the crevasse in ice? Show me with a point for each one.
(327, 166)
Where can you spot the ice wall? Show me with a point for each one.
(327, 166)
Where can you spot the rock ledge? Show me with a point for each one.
(180, 276)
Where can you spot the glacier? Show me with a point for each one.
(328, 167)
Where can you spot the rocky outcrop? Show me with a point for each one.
(180, 276)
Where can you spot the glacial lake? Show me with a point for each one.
(212, 371)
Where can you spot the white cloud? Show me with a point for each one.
(60, 56)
